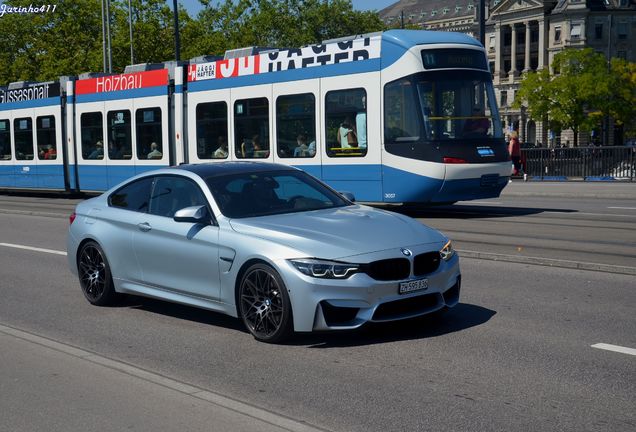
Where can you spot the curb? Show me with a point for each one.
(549, 262)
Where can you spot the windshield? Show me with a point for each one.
(441, 106)
(273, 192)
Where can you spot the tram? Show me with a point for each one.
(402, 116)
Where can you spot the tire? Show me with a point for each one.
(94, 275)
(264, 304)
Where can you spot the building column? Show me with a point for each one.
(498, 52)
(513, 54)
(542, 47)
(526, 67)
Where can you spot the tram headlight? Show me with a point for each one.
(447, 252)
(324, 269)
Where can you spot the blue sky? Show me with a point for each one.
(193, 6)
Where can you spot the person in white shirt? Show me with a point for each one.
(361, 124)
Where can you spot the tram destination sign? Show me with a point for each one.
(452, 58)
(276, 61)
(30, 92)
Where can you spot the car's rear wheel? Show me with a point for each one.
(94, 275)
(264, 304)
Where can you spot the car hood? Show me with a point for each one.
(339, 232)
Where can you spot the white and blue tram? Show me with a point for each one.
(399, 116)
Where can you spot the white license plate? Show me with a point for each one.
(414, 285)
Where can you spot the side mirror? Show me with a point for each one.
(195, 214)
(349, 196)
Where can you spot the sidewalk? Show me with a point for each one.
(607, 190)
(49, 386)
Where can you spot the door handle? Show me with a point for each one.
(144, 226)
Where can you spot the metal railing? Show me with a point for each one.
(580, 163)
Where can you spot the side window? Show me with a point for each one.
(296, 126)
(212, 130)
(251, 128)
(346, 122)
(23, 130)
(46, 137)
(134, 196)
(149, 136)
(92, 135)
(400, 111)
(119, 133)
(171, 193)
(5, 140)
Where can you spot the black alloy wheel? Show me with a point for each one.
(264, 304)
(94, 275)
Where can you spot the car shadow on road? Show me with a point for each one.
(461, 317)
(182, 312)
(459, 211)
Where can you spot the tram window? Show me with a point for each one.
(212, 130)
(119, 134)
(46, 137)
(296, 126)
(5, 140)
(92, 135)
(346, 122)
(23, 130)
(401, 121)
(149, 136)
(251, 128)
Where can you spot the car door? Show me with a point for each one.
(181, 257)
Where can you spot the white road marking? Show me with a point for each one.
(623, 208)
(615, 348)
(51, 251)
(592, 214)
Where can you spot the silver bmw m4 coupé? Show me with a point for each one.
(266, 243)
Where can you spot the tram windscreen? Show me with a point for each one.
(441, 106)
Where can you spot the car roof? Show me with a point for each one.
(214, 169)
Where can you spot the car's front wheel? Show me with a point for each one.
(94, 275)
(264, 304)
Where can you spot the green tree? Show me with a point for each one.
(581, 92)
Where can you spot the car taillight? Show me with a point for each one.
(453, 160)
(71, 218)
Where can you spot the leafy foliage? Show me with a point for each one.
(581, 91)
(38, 47)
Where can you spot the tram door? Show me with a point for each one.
(90, 126)
(351, 133)
(297, 140)
(208, 126)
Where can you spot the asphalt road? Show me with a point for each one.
(515, 354)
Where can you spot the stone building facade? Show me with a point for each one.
(524, 35)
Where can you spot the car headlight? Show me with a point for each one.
(324, 269)
(447, 252)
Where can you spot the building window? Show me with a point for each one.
(622, 55)
(445, 10)
(457, 9)
(491, 43)
(557, 34)
(470, 6)
(504, 98)
(575, 31)
(598, 31)
(622, 30)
